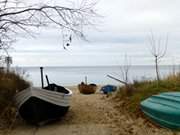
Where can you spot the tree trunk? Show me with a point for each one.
(157, 69)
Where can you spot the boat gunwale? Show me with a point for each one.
(29, 92)
(155, 119)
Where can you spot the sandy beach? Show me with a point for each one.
(91, 114)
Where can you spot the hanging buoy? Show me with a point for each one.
(67, 44)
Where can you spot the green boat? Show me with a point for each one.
(163, 109)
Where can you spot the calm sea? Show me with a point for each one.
(74, 75)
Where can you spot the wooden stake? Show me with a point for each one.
(42, 81)
(47, 80)
(117, 79)
(85, 79)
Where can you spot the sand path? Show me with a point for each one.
(92, 115)
(88, 115)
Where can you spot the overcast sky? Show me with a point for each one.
(124, 29)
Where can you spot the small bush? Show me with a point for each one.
(10, 84)
(141, 90)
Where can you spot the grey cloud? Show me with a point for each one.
(124, 29)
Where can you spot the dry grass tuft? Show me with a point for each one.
(10, 84)
(131, 96)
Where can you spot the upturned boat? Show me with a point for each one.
(163, 109)
(108, 89)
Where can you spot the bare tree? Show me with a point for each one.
(158, 48)
(125, 76)
(17, 17)
(125, 69)
(124, 72)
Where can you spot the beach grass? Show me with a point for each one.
(10, 83)
(131, 96)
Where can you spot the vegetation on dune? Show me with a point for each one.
(10, 84)
(131, 96)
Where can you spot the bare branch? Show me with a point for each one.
(17, 17)
(158, 51)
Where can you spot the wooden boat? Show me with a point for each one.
(163, 109)
(36, 105)
(87, 88)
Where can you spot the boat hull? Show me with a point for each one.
(108, 89)
(87, 89)
(163, 109)
(36, 111)
(39, 106)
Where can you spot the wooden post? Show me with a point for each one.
(42, 81)
(8, 61)
(117, 80)
(85, 79)
(47, 80)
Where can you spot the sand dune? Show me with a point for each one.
(91, 115)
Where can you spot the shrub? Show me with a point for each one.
(144, 89)
(10, 84)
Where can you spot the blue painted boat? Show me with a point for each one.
(108, 89)
(163, 109)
